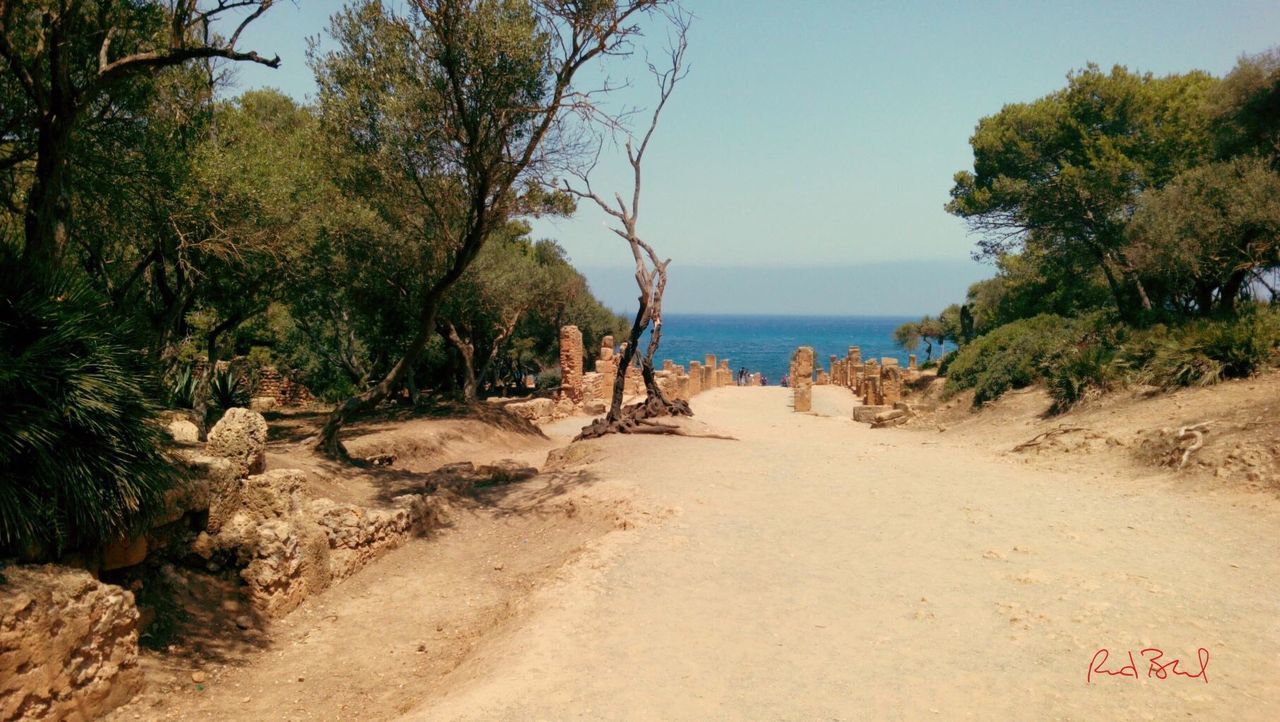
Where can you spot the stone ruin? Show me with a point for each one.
(802, 378)
(591, 391)
(877, 384)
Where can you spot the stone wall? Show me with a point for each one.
(571, 363)
(68, 645)
(592, 391)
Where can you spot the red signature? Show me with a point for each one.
(1156, 666)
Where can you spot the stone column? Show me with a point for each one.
(709, 372)
(891, 385)
(911, 362)
(571, 363)
(802, 379)
(696, 378)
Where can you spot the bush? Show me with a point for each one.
(548, 379)
(1009, 357)
(1082, 369)
(182, 387)
(228, 389)
(80, 461)
(1206, 351)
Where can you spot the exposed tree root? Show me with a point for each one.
(634, 419)
(1195, 434)
(1038, 438)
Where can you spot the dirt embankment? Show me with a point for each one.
(370, 646)
(1226, 435)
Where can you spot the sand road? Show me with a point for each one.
(818, 569)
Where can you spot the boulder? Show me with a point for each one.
(241, 436)
(867, 414)
(124, 553)
(535, 410)
(263, 403)
(595, 407)
(183, 431)
(68, 645)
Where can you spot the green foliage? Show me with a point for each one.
(1079, 370)
(182, 387)
(80, 461)
(1204, 352)
(228, 389)
(1205, 234)
(907, 336)
(1010, 357)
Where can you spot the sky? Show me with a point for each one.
(819, 136)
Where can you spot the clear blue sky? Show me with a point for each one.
(825, 134)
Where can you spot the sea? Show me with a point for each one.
(765, 343)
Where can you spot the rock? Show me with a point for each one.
(124, 553)
(262, 403)
(68, 644)
(890, 415)
(241, 436)
(505, 471)
(244, 621)
(867, 414)
(535, 410)
(595, 407)
(199, 677)
(183, 431)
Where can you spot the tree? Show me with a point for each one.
(1245, 108)
(483, 309)
(651, 271)
(454, 113)
(907, 336)
(1210, 232)
(931, 331)
(69, 58)
(1063, 174)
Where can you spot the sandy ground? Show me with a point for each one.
(812, 569)
(820, 569)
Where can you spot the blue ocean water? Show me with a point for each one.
(765, 343)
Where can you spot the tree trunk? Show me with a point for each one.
(503, 333)
(467, 351)
(1231, 291)
(48, 207)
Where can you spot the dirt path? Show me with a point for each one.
(820, 569)
(814, 569)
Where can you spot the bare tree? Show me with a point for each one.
(651, 271)
(63, 57)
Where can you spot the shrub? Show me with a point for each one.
(1206, 351)
(182, 387)
(80, 461)
(548, 379)
(1073, 374)
(227, 389)
(1009, 357)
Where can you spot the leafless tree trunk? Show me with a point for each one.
(651, 271)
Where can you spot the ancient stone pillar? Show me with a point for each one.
(911, 362)
(709, 372)
(802, 379)
(891, 385)
(724, 374)
(696, 378)
(855, 354)
(571, 363)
